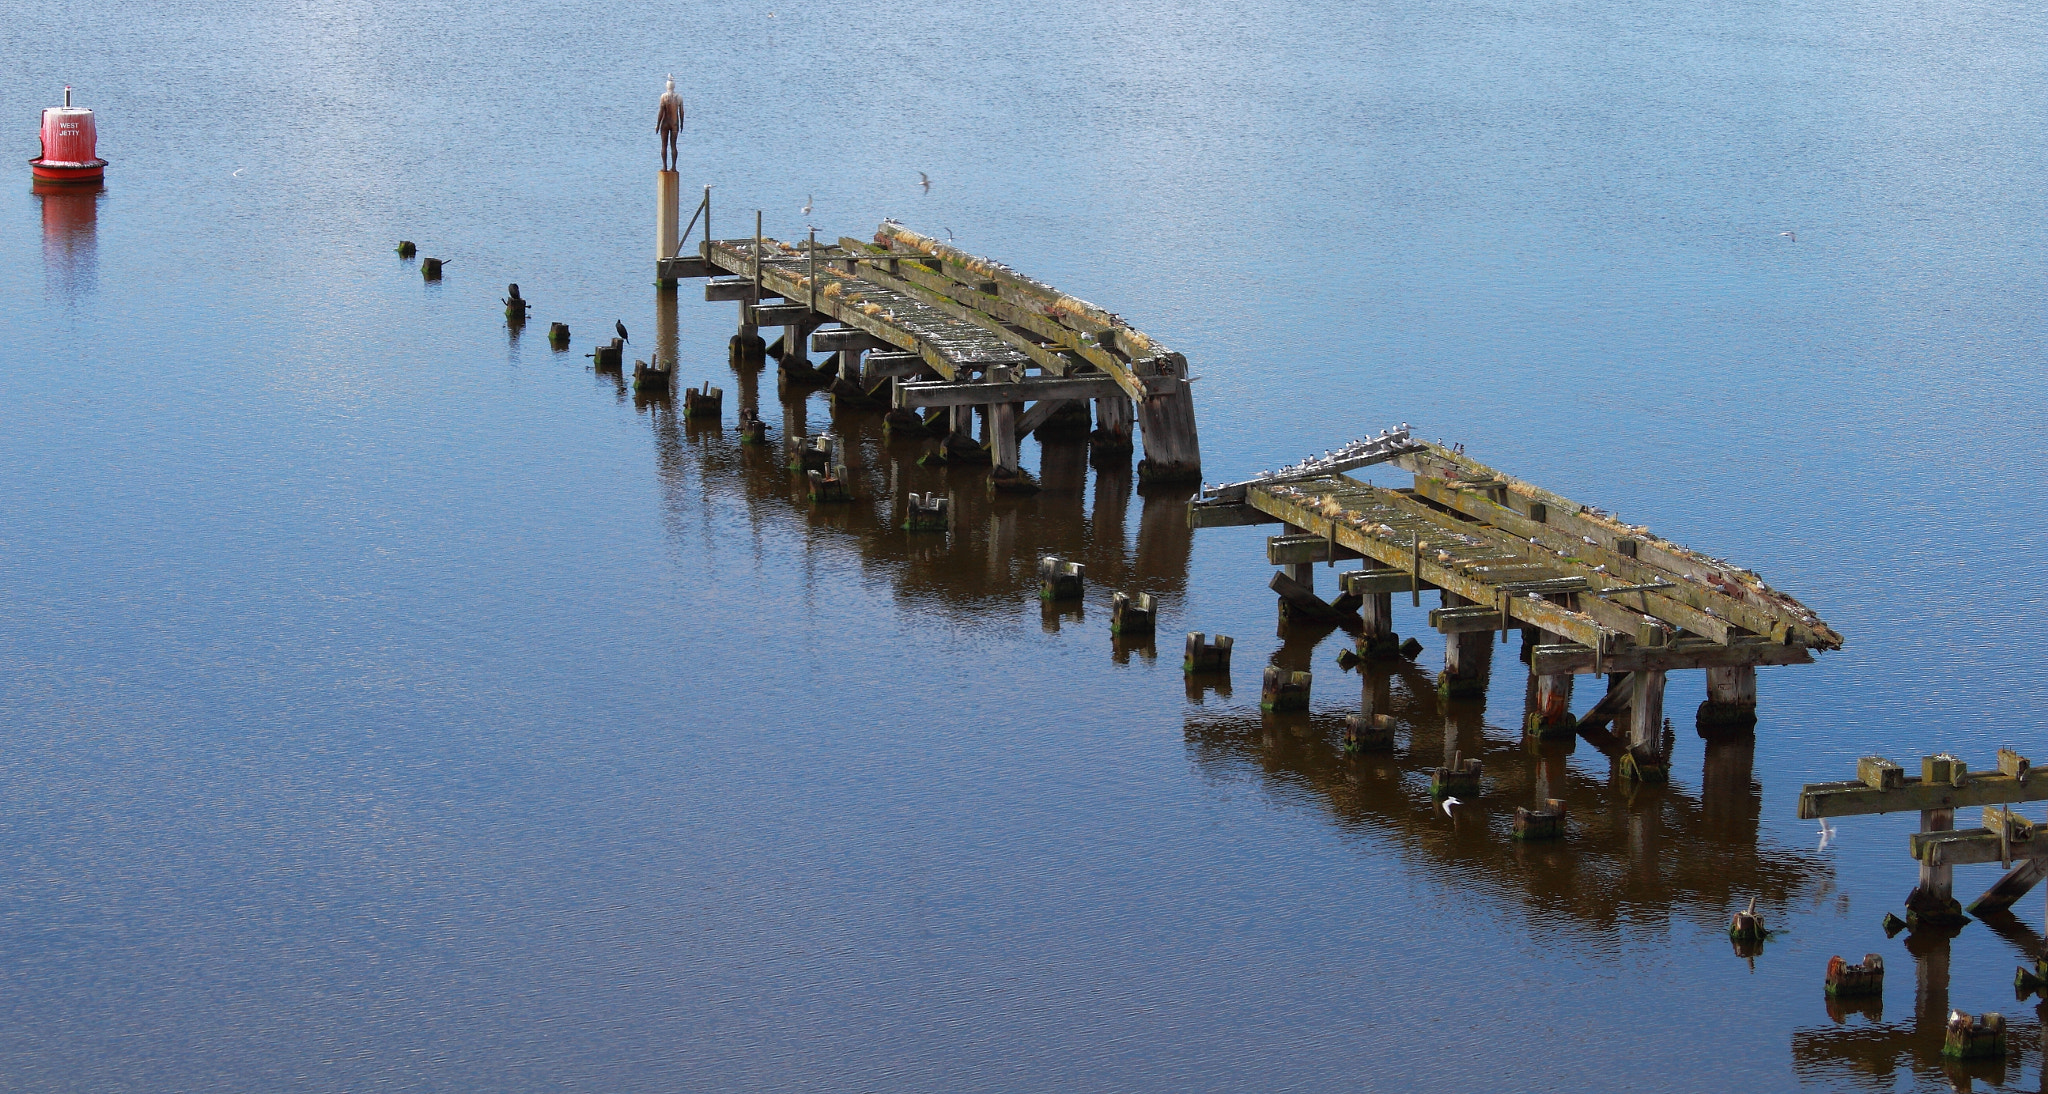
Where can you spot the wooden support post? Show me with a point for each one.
(1644, 761)
(1206, 656)
(1284, 690)
(1006, 476)
(1376, 639)
(1467, 656)
(1932, 903)
(1112, 436)
(1133, 617)
(1304, 574)
(667, 220)
(1729, 709)
(1172, 452)
(1059, 579)
(1550, 713)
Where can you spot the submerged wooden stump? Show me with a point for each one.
(651, 379)
(610, 357)
(1540, 824)
(430, 268)
(1368, 733)
(902, 424)
(752, 429)
(829, 488)
(1059, 579)
(704, 402)
(1205, 656)
(1130, 615)
(1284, 690)
(558, 335)
(926, 513)
(1746, 925)
(1461, 776)
(406, 248)
(1973, 1038)
(1844, 979)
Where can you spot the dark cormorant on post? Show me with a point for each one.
(621, 327)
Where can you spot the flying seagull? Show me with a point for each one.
(621, 328)
(1827, 834)
(807, 205)
(949, 234)
(926, 179)
(1448, 802)
(1788, 235)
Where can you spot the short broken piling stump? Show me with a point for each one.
(1368, 733)
(830, 488)
(406, 248)
(1133, 616)
(1059, 579)
(1284, 690)
(650, 379)
(1976, 1037)
(1460, 776)
(746, 350)
(704, 402)
(610, 357)
(1540, 824)
(558, 335)
(752, 429)
(1642, 765)
(1846, 980)
(1206, 656)
(925, 513)
(807, 453)
(430, 268)
(1747, 926)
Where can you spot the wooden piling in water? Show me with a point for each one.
(1059, 579)
(1546, 823)
(1368, 732)
(1729, 710)
(704, 402)
(925, 513)
(1133, 616)
(1206, 655)
(1284, 690)
(1846, 980)
(1974, 1037)
(1459, 776)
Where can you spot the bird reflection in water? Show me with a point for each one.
(70, 238)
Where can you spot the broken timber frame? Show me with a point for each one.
(1946, 784)
(983, 335)
(1612, 598)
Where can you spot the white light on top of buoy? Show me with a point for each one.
(69, 145)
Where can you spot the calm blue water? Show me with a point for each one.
(391, 702)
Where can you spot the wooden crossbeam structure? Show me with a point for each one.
(1944, 785)
(1608, 597)
(960, 330)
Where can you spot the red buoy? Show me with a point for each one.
(69, 142)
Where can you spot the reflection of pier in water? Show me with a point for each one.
(987, 555)
(1638, 851)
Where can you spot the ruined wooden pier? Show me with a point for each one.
(917, 324)
(1589, 593)
(1944, 785)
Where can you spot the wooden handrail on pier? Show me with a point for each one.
(1609, 597)
(983, 334)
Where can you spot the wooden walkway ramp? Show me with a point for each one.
(942, 328)
(1593, 594)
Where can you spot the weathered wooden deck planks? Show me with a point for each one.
(984, 335)
(1609, 597)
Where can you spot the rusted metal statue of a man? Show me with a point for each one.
(668, 121)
